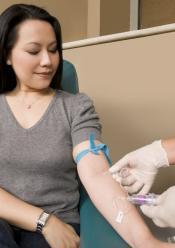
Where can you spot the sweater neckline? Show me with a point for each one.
(37, 123)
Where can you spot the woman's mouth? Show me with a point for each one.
(44, 74)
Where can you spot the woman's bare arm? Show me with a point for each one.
(25, 216)
(105, 192)
(18, 212)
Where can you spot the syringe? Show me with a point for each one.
(149, 199)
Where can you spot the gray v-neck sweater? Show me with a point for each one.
(36, 164)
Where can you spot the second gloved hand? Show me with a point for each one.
(163, 214)
(140, 167)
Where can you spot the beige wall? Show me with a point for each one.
(88, 18)
(93, 26)
(84, 18)
(132, 83)
(115, 16)
(72, 15)
(155, 13)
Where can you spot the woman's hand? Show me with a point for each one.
(60, 234)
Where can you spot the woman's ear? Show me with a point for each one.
(8, 62)
(8, 59)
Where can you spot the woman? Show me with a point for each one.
(42, 130)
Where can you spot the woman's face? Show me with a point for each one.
(34, 57)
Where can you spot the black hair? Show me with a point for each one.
(9, 22)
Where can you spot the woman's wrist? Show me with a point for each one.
(51, 223)
(151, 240)
(42, 221)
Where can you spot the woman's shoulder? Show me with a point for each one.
(2, 95)
(74, 99)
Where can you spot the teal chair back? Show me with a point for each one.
(95, 232)
(70, 80)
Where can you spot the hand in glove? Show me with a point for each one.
(137, 170)
(163, 214)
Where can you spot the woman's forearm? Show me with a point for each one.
(169, 146)
(109, 198)
(18, 212)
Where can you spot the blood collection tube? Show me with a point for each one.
(149, 199)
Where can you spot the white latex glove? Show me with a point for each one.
(163, 214)
(137, 170)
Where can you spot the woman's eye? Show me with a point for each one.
(33, 52)
(53, 50)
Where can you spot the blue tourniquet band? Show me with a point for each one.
(94, 149)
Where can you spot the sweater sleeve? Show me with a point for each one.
(85, 120)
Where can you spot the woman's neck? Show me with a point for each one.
(20, 92)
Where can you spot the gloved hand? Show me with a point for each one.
(137, 170)
(163, 214)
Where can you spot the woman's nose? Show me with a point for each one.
(45, 59)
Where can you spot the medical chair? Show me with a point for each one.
(95, 232)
